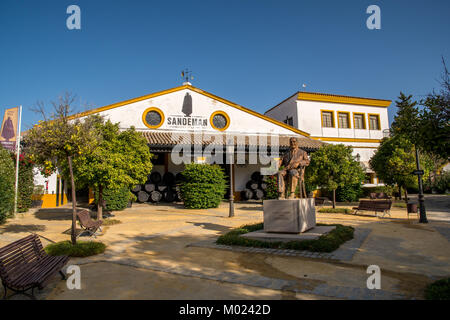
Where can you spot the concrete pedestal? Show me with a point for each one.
(289, 216)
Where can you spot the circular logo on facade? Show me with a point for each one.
(153, 118)
(220, 120)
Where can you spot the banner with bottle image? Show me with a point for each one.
(8, 132)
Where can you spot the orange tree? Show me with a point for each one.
(55, 141)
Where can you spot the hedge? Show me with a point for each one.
(116, 199)
(203, 186)
(6, 185)
(349, 193)
(325, 243)
(26, 184)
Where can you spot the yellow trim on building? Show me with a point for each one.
(322, 97)
(332, 118)
(207, 94)
(144, 114)
(378, 120)
(364, 120)
(348, 119)
(223, 113)
(123, 103)
(254, 113)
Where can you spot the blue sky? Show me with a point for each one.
(253, 52)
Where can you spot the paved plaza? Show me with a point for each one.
(168, 252)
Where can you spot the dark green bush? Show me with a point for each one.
(326, 243)
(349, 193)
(80, 249)
(116, 199)
(336, 210)
(6, 185)
(439, 184)
(272, 187)
(386, 189)
(203, 187)
(438, 290)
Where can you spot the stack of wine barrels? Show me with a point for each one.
(158, 188)
(255, 188)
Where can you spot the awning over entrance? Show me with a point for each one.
(166, 140)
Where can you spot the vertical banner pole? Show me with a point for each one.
(17, 159)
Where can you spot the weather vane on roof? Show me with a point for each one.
(187, 75)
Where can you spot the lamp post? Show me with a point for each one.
(419, 173)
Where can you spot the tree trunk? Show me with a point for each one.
(73, 234)
(100, 203)
(406, 195)
(334, 198)
(399, 193)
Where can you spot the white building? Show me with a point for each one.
(352, 121)
(201, 122)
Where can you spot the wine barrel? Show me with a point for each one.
(258, 194)
(247, 194)
(155, 177)
(253, 185)
(263, 186)
(170, 195)
(156, 196)
(161, 188)
(149, 187)
(169, 178)
(136, 188)
(256, 176)
(142, 196)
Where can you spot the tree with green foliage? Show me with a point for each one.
(203, 186)
(333, 166)
(426, 125)
(395, 160)
(121, 160)
(6, 185)
(59, 139)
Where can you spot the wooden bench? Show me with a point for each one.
(383, 206)
(24, 265)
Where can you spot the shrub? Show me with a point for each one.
(389, 190)
(80, 249)
(438, 290)
(349, 193)
(439, 184)
(326, 243)
(116, 199)
(26, 184)
(203, 186)
(336, 210)
(6, 185)
(272, 188)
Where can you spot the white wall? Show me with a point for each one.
(203, 106)
(309, 119)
